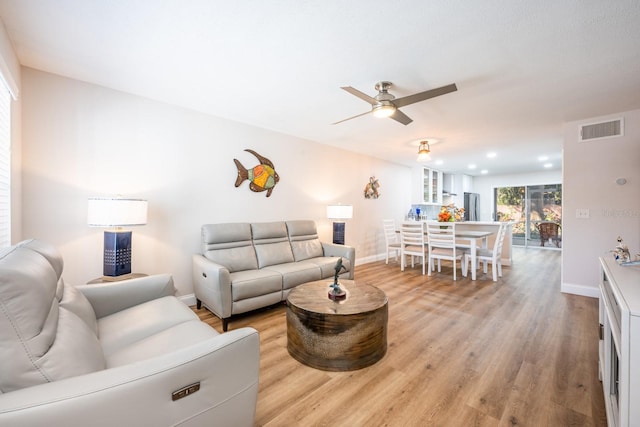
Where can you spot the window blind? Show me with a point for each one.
(5, 166)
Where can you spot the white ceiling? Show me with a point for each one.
(522, 67)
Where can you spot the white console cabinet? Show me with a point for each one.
(619, 350)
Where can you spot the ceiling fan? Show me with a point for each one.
(386, 105)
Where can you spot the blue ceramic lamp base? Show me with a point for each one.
(117, 253)
(338, 233)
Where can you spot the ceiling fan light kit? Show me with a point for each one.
(384, 110)
(386, 105)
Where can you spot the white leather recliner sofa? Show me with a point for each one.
(247, 266)
(116, 354)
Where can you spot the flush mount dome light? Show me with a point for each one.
(383, 109)
(423, 152)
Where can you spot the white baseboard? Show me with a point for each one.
(583, 290)
(369, 259)
(189, 299)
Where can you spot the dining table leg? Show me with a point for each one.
(473, 259)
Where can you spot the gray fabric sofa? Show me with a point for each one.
(246, 266)
(114, 354)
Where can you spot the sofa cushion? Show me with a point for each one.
(249, 304)
(296, 273)
(163, 342)
(44, 341)
(253, 283)
(124, 328)
(271, 243)
(229, 245)
(328, 265)
(304, 239)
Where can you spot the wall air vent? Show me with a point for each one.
(609, 129)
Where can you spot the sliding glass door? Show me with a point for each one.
(528, 207)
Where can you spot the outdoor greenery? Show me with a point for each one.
(545, 204)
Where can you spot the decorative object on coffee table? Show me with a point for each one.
(336, 293)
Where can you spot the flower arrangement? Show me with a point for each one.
(444, 215)
(450, 213)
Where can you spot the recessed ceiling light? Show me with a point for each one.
(547, 165)
(484, 171)
(491, 155)
(472, 166)
(543, 158)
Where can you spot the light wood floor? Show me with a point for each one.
(465, 353)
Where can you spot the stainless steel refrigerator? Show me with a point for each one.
(471, 207)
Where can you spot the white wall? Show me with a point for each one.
(82, 140)
(485, 185)
(589, 173)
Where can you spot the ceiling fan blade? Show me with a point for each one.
(360, 95)
(422, 96)
(368, 112)
(401, 117)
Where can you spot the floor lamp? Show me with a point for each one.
(339, 213)
(118, 213)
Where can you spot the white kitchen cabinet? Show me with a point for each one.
(428, 186)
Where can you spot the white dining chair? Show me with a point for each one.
(412, 243)
(442, 246)
(493, 256)
(391, 239)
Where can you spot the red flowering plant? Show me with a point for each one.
(450, 213)
(444, 215)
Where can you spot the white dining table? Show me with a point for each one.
(472, 236)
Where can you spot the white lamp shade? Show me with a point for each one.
(339, 211)
(424, 156)
(115, 212)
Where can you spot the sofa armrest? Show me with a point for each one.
(331, 249)
(225, 366)
(212, 286)
(109, 298)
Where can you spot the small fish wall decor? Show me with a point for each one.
(371, 189)
(262, 177)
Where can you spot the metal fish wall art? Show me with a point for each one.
(262, 177)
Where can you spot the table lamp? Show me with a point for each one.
(339, 212)
(116, 212)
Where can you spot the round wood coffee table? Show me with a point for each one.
(342, 335)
